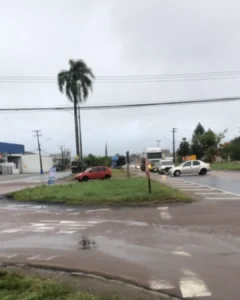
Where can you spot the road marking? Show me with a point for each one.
(68, 222)
(40, 257)
(5, 255)
(11, 256)
(10, 230)
(181, 253)
(192, 286)
(210, 193)
(160, 285)
(67, 232)
(165, 215)
(96, 210)
(74, 214)
(38, 224)
(45, 228)
(34, 257)
(194, 189)
(212, 188)
(223, 198)
(51, 257)
(163, 208)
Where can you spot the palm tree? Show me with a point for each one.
(76, 83)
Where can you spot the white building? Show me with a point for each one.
(25, 164)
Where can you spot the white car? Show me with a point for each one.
(190, 167)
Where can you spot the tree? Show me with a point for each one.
(231, 149)
(184, 148)
(196, 146)
(209, 142)
(76, 83)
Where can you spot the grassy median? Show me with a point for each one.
(228, 166)
(15, 286)
(120, 191)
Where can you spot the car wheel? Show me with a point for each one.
(177, 173)
(107, 176)
(85, 178)
(203, 172)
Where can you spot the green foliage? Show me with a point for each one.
(196, 146)
(231, 150)
(76, 83)
(184, 148)
(204, 144)
(108, 192)
(92, 161)
(15, 286)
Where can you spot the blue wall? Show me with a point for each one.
(11, 148)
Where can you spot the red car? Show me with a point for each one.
(94, 173)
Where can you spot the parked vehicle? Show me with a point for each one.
(151, 154)
(164, 166)
(59, 168)
(94, 173)
(190, 167)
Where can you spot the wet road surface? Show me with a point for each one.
(228, 181)
(190, 251)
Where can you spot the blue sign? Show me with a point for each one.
(52, 176)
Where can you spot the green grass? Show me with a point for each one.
(228, 166)
(15, 286)
(114, 191)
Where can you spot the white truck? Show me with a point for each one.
(154, 155)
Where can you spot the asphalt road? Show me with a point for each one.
(228, 181)
(191, 251)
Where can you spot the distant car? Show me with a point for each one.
(190, 167)
(94, 173)
(59, 168)
(164, 166)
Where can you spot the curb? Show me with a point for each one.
(98, 276)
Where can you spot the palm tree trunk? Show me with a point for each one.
(80, 136)
(76, 127)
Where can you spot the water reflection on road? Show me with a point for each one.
(228, 181)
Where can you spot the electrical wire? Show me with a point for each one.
(151, 78)
(124, 106)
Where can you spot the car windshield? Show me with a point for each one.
(88, 170)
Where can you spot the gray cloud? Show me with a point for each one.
(118, 38)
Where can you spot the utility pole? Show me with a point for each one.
(38, 134)
(158, 142)
(63, 162)
(174, 130)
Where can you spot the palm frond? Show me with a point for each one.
(85, 91)
(62, 79)
(68, 90)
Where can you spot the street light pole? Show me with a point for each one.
(158, 142)
(39, 149)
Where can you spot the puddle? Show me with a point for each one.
(41, 242)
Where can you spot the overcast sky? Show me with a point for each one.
(134, 37)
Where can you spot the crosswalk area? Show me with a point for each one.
(50, 226)
(204, 191)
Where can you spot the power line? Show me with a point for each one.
(103, 77)
(123, 106)
(130, 78)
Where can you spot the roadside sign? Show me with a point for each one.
(52, 176)
(148, 175)
(147, 168)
